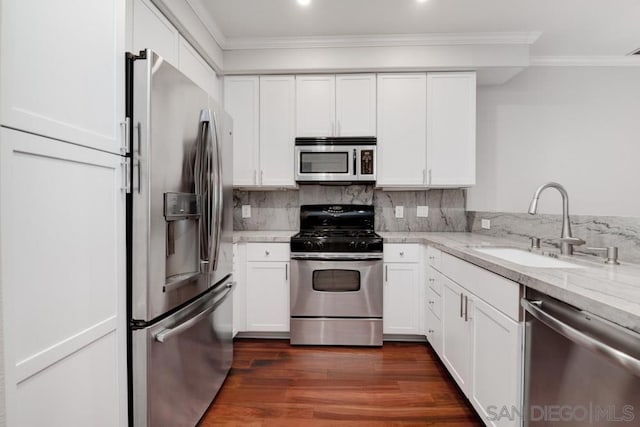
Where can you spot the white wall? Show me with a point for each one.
(578, 126)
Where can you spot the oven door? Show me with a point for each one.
(336, 288)
(325, 163)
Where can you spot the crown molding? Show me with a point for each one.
(441, 39)
(584, 61)
(208, 21)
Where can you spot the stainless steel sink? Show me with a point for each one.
(525, 258)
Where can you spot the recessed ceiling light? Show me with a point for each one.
(304, 2)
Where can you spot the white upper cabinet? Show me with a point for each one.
(277, 130)
(356, 105)
(62, 70)
(151, 30)
(194, 67)
(315, 105)
(451, 129)
(242, 102)
(402, 127)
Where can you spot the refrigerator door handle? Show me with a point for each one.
(167, 333)
(203, 188)
(219, 197)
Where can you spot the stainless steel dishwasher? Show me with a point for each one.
(580, 369)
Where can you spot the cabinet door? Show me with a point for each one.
(62, 70)
(496, 355)
(63, 273)
(402, 127)
(277, 130)
(433, 331)
(456, 344)
(268, 296)
(356, 105)
(194, 67)
(402, 299)
(451, 129)
(315, 105)
(151, 30)
(241, 100)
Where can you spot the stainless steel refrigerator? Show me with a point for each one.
(180, 245)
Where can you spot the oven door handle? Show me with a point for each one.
(336, 256)
(580, 338)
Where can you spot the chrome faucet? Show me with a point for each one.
(567, 241)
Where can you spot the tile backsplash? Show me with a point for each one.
(598, 231)
(280, 210)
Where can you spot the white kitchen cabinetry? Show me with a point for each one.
(61, 72)
(277, 130)
(63, 282)
(451, 129)
(482, 340)
(267, 287)
(315, 105)
(402, 295)
(355, 105)
(240, 291)
(341, 105)
(263, 112)
(151, 30)
(433, 312)
(402, 127)
(194, 67)
(242, 102)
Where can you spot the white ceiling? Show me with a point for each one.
(567, 27)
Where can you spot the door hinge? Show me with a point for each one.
(126, 136)
(126, 175)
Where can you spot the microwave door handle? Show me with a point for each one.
(355, 163)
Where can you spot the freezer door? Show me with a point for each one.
(180, 363)
(167, 222)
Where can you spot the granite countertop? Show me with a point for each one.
(608, 291)
(266, 236)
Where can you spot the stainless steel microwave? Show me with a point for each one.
(335, 160)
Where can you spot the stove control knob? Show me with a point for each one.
(320, 244)
(363, 245)
(353, 245)
(308, 245)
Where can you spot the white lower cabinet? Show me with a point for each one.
(62, 222)
(481, 336)
(267, 287)
(402, 294)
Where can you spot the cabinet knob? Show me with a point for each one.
(401, 253)
(431, 331)
(431, 302)
(431, 280)
(266, 253)
(432, 258)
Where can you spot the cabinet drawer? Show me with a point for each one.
(497, 291)
(434, 280)
(268, 252)
(433, 331)
(394, 252)
(433, 257)
(434, 302)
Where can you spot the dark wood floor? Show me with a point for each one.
(400, 384)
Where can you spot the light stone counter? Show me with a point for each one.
(608, 291)
(267, 236)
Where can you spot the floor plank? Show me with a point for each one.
(401, 384)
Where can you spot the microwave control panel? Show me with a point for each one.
(366, 162)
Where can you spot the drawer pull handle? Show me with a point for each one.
(431, 331)
(431, 279)
(401, 253)
(266, 253)
(431, 302)
(432, 258)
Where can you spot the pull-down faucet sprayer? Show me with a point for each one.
(567, 241)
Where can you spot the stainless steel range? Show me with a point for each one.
(336, 277)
